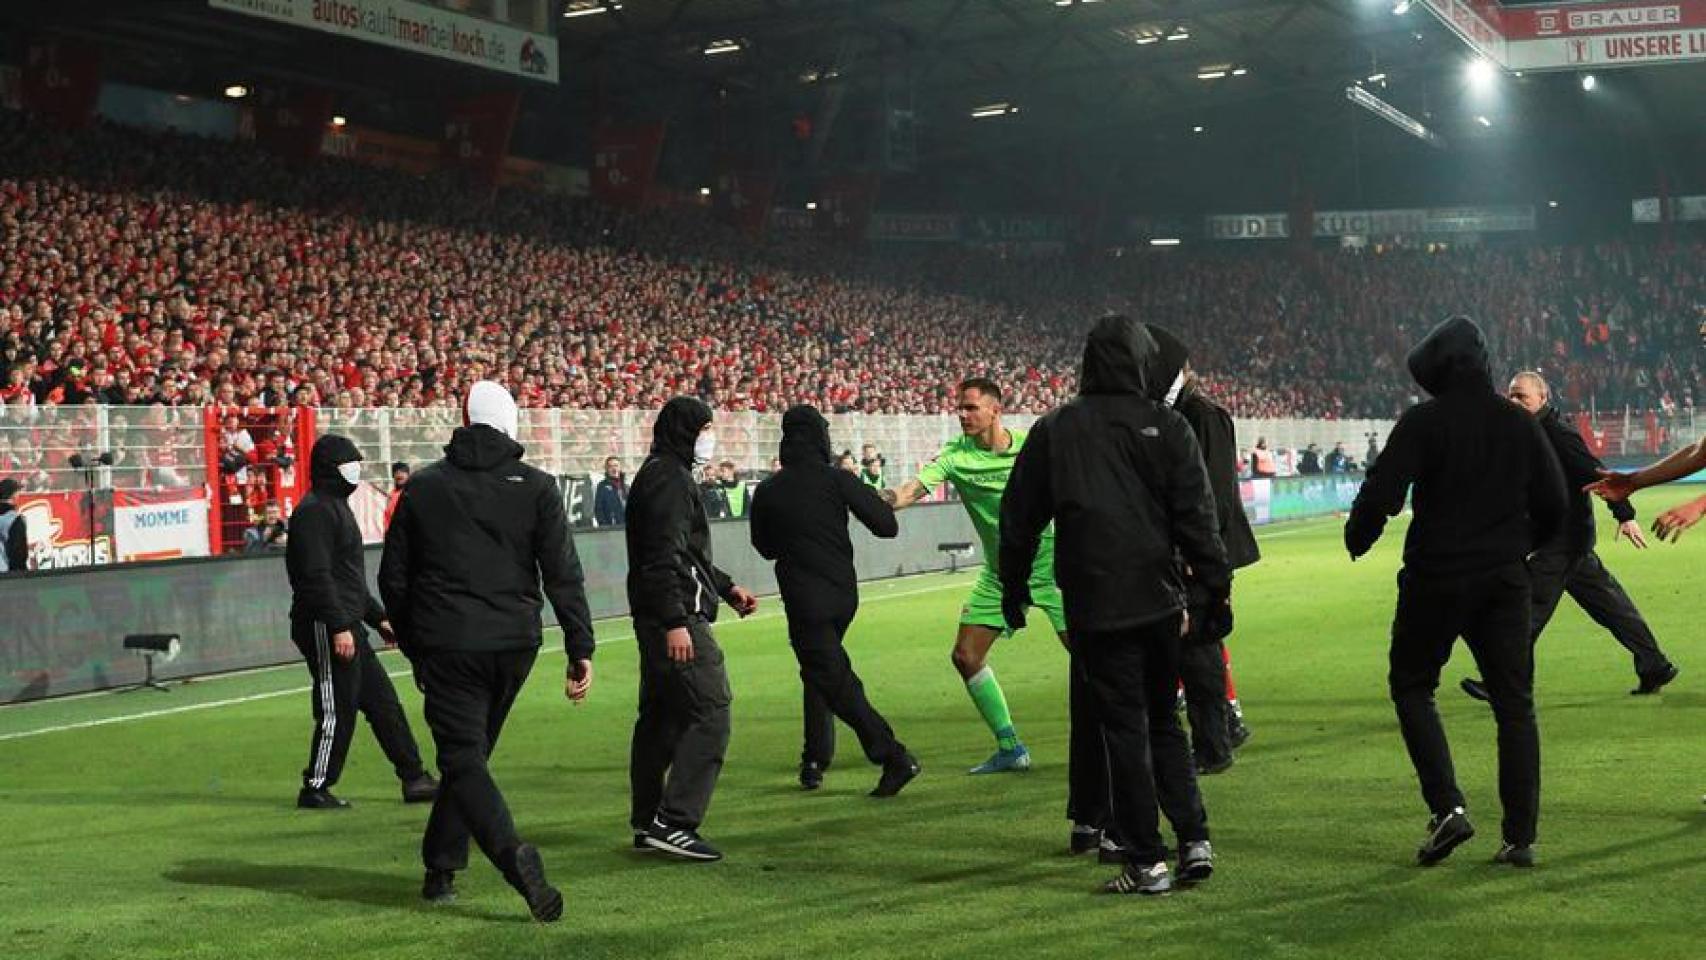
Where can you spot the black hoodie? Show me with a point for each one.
(670, 574)
(474, 537)
(1218, 439)
(799, 520)
(328, 580)
(1581, 467)
(1122, 478)
(1487, 485)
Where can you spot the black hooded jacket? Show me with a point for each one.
(474, 539)
(1122, 478)
(670, 574)
(1581, 468)
(1218, 439)
(1487, 485)
(323, 558)
(799, 520)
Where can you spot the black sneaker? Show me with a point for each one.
(1445, 832)
(1085, 838)
(1211, 767)
(1151, 881)
(1516, 855)
(525, 871)
(896, 774)
(439, 887)
(1196, 861)
(1476, 689)
(321, 799)
(1653, 683)
(679, 842)
(811, 776)
(640, 844)
(422, 789)
(1236, 732)
(1110, 851)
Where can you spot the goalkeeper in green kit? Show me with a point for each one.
(978, 464)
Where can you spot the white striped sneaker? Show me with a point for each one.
(1150, 881)
(679, 842)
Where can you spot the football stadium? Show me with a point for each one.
(868, 478)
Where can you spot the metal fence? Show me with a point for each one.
(154, 447)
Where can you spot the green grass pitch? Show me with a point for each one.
(174, 835)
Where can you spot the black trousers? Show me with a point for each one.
(682, 731)
(1491, 611)
(468, 697)
(1086, 756)
(1202, 669)
(1555, 573)
(1132, 677)
(343, 688)
(834, 691)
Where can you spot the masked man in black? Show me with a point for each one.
(682, 731)
(1486, 492)
(329, 605)
(799, 520)
(1121, 477)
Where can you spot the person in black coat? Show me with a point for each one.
(476, 538)
(1568, 563)
(1217, 722)
(328, 607)
(799, 520)
(1486, 490)
(610, 505)
(1121, 477)
(682, 730)
(14, 532)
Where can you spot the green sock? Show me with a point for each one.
(986, 692)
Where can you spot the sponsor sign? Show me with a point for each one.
(1651, 209)
(1379, 223)
(417, 28)
(923, 227)
(159, 525)
(1579, 36)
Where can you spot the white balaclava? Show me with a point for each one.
(489, 403)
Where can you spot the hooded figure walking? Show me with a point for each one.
(329, 606)
(1121, 477)
(1486, 491)
(476, 538)
(799, 520)
(682, 730)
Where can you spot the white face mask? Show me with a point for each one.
(705, 447)
(351, 472)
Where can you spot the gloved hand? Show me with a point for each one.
(1216, 622)
(1014, 603)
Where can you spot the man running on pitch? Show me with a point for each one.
(978, 464)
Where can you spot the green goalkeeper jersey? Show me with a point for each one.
(980, 476)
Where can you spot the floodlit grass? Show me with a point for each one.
(175, 836)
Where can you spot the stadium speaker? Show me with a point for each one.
(151, 647)
(954, 551)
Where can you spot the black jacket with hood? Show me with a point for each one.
(1218, 439)
(475, 539)
(1122, 478)
(670, 574)
(1581, 468)
(323, 557)
(799, 520)
(1487, 488)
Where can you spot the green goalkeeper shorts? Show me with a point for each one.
(983, 607)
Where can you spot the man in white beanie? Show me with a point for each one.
(474, 537)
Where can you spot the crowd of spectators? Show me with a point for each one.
(147, 268)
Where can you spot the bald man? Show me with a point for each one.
(1568, 564)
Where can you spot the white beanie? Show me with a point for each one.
(489, 403)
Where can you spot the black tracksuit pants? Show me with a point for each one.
(1132, 678)
(468, 697)
(1491, 611)
(834, 691)
(343, 688)
(1202, 669)
(1086, 756)
(1554, 573)
(682, 731)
